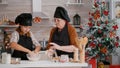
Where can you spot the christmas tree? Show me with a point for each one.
(101, 33)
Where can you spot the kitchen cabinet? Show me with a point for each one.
(74, 2)
(3, 2)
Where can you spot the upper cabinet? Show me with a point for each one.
(3, 2)
(37, 9)
(74, 2)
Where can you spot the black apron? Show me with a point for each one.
(25, 42)
(62, 38)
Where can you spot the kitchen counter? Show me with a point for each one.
(43, 64)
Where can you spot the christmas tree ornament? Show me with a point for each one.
(117, 38)
(90, 19)
(116, 44)
(92, 44)
(96, 5)
(106, 12)
(99, 31)
(107, 39)
(99, 45)
(90, 24)
(106, 22)
(112, 34)
(115, 27)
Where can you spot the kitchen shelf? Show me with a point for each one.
(11, 26)
(74, 4)
(3, 2)
(76, 26)
(79, 2)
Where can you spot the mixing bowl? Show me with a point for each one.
(35, 57)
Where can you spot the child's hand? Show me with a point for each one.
(49, 52)
(32, 54)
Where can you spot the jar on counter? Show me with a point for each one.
(64, 58)
(6, 58)
(15, 60)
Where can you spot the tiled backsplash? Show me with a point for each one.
(42, 30)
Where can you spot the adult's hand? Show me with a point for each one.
(55, 46)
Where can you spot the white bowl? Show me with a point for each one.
(36, 57)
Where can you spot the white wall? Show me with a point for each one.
(42, 30)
